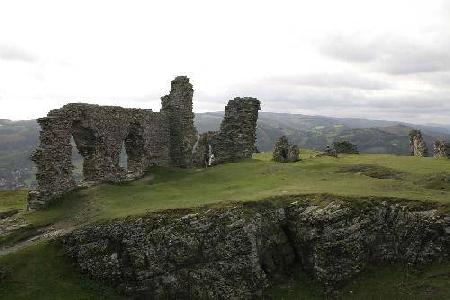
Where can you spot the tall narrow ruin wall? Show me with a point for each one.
(417, 144)
(236, 137)
(177, 108)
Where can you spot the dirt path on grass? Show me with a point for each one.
(45, 233)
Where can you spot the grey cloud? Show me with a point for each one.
(391, 55)
(422, 106)
(333, 80)
(12, 53)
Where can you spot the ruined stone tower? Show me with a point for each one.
(417, 144)
(177, 109)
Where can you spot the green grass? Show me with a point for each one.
(13, 200)
(261, 178)
(46, 274)
(42, 272)
(376, 283)
(254, 179)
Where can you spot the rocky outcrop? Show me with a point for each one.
(345, 147)
(417, 144)
(236, 138)
(238, 251)
(283, 152)
(441, 149)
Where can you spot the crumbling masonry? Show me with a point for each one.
(417, 144)
(283, 152)
(164, 138)
(441, 149)
(236, 137)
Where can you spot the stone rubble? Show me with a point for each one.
(284, 152)
(441, 149)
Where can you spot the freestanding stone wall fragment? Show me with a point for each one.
(417, 144)
(177, 108)
(283, 152)
(442, 149)
(236, 138)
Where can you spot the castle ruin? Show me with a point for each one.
(165, 138)
(236, 137)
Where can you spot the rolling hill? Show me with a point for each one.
(19, 138)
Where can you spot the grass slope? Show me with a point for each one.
(348, 175)
(377, 282)
(42, 272)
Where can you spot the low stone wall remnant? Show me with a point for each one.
(284, 152)
(441, 149)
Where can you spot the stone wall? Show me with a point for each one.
(150, 138)
(236, 137)
(238, 251)
(442, 149)
(283, 152)
(177, 109)
(417, 144)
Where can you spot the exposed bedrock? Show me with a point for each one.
(237, 252)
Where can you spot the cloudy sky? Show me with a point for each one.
(384, 59)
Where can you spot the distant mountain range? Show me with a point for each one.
(19, 138)
(371, 136)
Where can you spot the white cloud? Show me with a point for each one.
(126, 53)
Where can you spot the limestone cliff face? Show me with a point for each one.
(238, 251)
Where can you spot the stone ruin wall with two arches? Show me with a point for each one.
(165, 138)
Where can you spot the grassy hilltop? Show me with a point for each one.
(413, 178)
